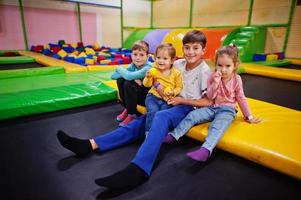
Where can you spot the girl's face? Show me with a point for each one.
(226, 66)
(163, 60)
(193, 53)
(139, 57)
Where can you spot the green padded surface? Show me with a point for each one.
(38, 94)
(16, 59)
(17, 73)
(274, 63)
(52, 99)
(48, 81)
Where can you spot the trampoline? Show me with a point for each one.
(35, 166)
(20, 66)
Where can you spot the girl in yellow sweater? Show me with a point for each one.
(161, 74)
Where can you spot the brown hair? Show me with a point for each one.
(231, 51)
(195, 36)
(167, 46)
(141, 45)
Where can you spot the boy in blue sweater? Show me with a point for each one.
(129, 81)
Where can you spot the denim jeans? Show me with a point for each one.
(221, 117)
(153, 105)
(164, 121)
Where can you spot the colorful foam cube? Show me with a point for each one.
(89, 51)
(55, 49)
(68, 49)
(89, 61)
(56, 56)
(69, 59)
(126, 60)
(80, 44)
(82, 54)
(61, 42)
(74, 45)
(105, 62)
(280, 55)
(271, 57)
(47, 52)
(96, 46)
(62, 53)
(259, 57)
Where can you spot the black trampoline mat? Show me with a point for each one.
(20, 66)
(34, 166)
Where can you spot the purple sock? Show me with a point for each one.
(169, 139)
(201, 154)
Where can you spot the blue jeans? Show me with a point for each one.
(163, 122)
(221, 117)
(153, 105)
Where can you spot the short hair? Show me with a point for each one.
(167, 46)
(195, 36)
(141, 45)
(230, 50)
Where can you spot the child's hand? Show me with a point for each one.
(153, 72)
(148, 75)
(138, 81)
(254, 120)
(169, 91)
(217, 76)
(175, 101)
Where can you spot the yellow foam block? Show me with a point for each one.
(96, 45)
(62, 53)
(112, 84)
(82, 54)
(275, 72)
(89, 51)
(89, 61)
(272, 57)
(274, 143)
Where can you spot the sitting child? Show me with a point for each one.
(129, 81)
(224, 87)
(165, 75)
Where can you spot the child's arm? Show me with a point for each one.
(178, 85)
(213, 84)
(192, 102)
(148, 80)
(132, 75)
(243, 104)
(115, 76)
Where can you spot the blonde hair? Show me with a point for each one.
(231, 51)
(170, 49)
(141, 45)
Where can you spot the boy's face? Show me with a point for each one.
(193, 53)
(139, 57)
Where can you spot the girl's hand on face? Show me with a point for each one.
(175, 101)
(138, 81)
(217, 76)
(254, 120)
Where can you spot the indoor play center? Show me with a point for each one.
(56, 62)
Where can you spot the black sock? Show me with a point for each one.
(130, 176)
(78, 146)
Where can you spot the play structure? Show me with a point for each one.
(63, 73)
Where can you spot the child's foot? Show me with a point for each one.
(169, 139)
(130, 176)
(127, 120)
(78, 146)
(201, 154)
(122, 115)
